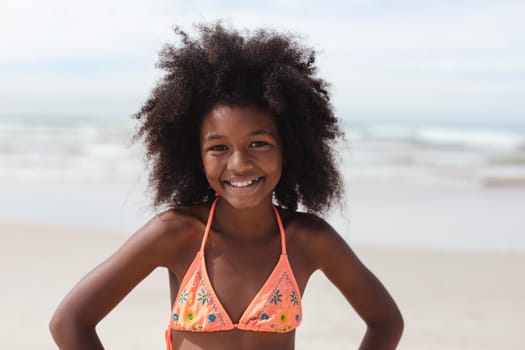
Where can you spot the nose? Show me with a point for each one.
(240, 162)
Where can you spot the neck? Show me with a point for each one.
(252, 224)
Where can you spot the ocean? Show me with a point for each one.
(85, 172)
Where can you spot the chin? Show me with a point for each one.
(246, 202)
(243, 204)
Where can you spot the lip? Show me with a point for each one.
(247, 188)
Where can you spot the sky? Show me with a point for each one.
(448, 61)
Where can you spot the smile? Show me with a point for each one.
(243, 184)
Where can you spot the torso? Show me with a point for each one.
(237, 271)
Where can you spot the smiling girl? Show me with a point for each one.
(239, 133)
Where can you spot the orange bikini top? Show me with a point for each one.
(275, 308)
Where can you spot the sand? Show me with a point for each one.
(449, 300)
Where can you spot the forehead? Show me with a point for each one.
(237, 121)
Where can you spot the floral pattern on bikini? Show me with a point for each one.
(281, 316)
(275, 308)
(188, 312)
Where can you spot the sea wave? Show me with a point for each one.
(95, 150)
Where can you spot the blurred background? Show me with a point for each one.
(431, 92)
(431, 95)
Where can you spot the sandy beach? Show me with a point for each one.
(449, 300)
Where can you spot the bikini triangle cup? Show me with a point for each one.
(275, 308)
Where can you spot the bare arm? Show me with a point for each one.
(73, 323)
(361, 288)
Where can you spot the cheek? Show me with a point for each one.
(275, 165)
(211, 167)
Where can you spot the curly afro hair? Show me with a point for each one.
(221, 66)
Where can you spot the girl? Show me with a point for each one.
(236, 124)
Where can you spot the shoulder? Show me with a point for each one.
(314, 236)
(178, 222)
(171, 231)
(310, 227)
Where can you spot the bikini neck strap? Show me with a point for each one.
(210, 219)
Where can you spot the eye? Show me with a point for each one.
(258, 144)
(218, 148)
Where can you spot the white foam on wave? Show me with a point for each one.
(85, 150)
(68, 152)
(482, 138)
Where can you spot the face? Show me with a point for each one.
(241, 154)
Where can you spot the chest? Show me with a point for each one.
(237, 273)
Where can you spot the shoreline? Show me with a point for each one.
(449, 300)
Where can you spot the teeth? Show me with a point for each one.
(243, 183)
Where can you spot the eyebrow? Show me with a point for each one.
(212, 136)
